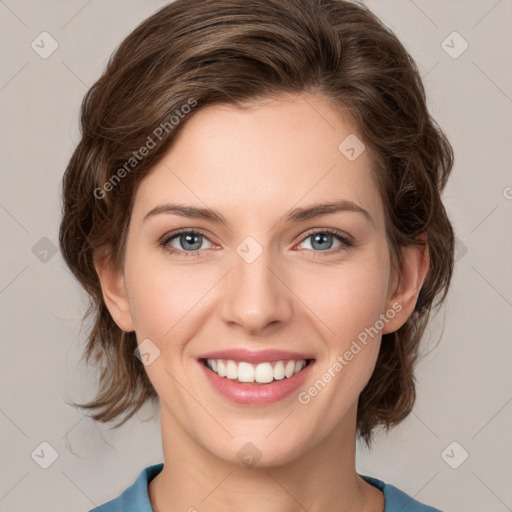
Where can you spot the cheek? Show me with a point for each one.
(165, 298)
(166, 303)
(345, 299)
(349, 303)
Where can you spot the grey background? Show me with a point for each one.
(464, 385)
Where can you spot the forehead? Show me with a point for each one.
(267, 158)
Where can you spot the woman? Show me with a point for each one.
(254, 208)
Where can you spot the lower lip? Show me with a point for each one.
(256, 394)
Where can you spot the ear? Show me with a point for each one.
(407, 284)
(114, 291)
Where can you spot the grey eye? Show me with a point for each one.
(321, 241)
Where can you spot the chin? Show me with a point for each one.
(260, 451)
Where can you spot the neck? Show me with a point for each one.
(322, 478)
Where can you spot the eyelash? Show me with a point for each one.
(164, 241)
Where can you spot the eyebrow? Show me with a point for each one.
(294, 216)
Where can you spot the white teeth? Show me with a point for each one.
(245, 372)
(261, 373)
(299, 365)
(290, 369)
(264, 373)
(221, 368)
(231, 370)
(279, 371)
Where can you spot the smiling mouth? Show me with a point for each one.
(262, 373)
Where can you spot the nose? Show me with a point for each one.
(256, 295)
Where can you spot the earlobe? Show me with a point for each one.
(114, 292)
(413, 269)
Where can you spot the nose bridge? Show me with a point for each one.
(255, 296)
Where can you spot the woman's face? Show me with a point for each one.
(271, 276)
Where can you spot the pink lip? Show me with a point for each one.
(261, 356)
(257, 394)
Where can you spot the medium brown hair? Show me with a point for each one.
(205, 52)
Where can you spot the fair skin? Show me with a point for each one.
(252, 167)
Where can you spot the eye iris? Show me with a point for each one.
(188, 238)
(320, 238)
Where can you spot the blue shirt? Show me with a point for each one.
(136, 499)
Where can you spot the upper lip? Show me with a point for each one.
(260, 356)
